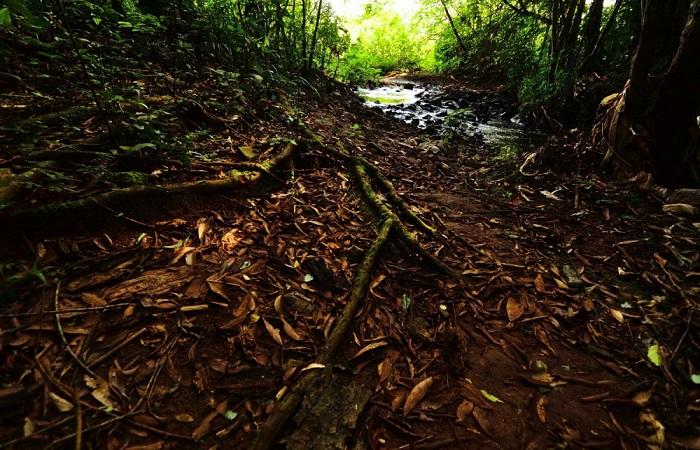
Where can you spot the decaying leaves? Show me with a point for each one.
(417, 394)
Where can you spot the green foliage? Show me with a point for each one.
(385, 43)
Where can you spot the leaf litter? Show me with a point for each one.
(558, 321)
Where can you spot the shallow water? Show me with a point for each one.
(429, 108)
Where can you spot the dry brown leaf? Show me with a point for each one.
(184, 418)
(464, 410)
(539, 284)
(218, 288)
(541, 408)
(92, 299)
(100, 391)
(202, 229)
(291, 332)
(205, 425)
(370, 347)
(274, 332)
(617, 315)
(398, 400)
(384, 368)
(61, 404)
(483, 420)
(642, 397)
(417, 394)
(515, 308)
(155, 446)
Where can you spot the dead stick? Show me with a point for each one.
(290, 402)
(65, 311)
(122, 344)
(59, 327)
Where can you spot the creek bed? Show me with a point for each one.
(478, 115)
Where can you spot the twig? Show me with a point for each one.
(123, 216)
(59, 327)
(78, 422)
(65, 311)
(36, 432)
(116, 348)
(685, 333)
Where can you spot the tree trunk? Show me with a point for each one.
(314, 38)
(654, 127)
(454, 28)
(674, 117)
(303, 30)
(591, 54)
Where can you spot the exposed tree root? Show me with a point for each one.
(290, 402)
(120, 199)
(390, 222)
(389, 190)
(383, 211)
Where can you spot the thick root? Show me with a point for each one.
(290, 402)
(120, 199)
(385, 213)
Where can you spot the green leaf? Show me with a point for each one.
(490, 397)
(308, 278)
(654, 355)
(97, 20)
(137, 147)
(695, 378)
(5, 19)
(231, 415)
(405, 302)
(248, 152)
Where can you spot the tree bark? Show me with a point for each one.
(314, 38)
(653, 126)
(454, 28)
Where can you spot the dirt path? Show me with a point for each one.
(194, 326)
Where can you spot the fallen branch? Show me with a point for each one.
(64, 341)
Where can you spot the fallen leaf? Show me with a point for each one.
(539, 284)
(92, 299)
(369, 348)
(184, 418)
(384, 368)
(483, 421)
(291, 332)
(541, 411)
(515, 308)
(464, 410)
(642, 397)
(617, 315)
(205, 425)
(654, 355)
(416, 395)
(247, 151)
(313, 366)
(274, 332)
(61, 404)
(29, 427)
(100, 391)
(490, 397)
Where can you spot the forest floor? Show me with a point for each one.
(566, 317)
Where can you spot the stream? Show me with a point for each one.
(485, 117)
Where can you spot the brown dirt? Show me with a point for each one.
(542, 344)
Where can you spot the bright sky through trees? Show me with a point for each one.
(352, 9)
